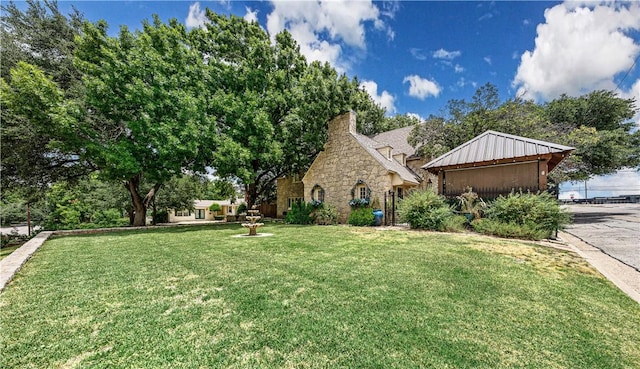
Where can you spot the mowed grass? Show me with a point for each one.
(311, 297)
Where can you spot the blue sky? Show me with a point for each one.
(414, 56)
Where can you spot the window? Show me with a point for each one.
(363, 192)
(293, 200)
(200, 214)
(183, 213)
(317, 193)
(400, 194)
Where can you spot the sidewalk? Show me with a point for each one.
(622, 275)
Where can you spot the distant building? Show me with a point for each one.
(201, 211)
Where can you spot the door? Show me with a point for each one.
(200, 213)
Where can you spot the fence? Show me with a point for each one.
(268, 210)
(491, 193)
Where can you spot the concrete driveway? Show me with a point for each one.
(612, 228)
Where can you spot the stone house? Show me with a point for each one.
(354, 166)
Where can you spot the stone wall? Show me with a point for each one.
(287, 187)
(416, 165)
(339, 167)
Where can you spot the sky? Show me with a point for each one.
(414, 56)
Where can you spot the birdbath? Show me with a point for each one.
(253, 217)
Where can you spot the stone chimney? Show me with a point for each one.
(342, 124)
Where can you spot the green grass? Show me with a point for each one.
(311, 297)
(7, 250)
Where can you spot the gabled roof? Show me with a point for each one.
(397, 139)
(494, 147)
(390, 164)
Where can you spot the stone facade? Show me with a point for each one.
(348, 164)
(290, 188)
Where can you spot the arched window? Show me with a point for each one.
(360, 190)
(317, 193)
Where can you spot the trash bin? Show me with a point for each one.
(377, 217)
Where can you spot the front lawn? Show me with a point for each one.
(311, 297)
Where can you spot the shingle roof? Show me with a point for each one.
(390, 164)
(495, 146)
(397, 139)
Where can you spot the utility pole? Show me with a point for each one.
(585, 190)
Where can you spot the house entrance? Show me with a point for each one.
(200, 213)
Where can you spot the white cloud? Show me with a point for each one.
(633, 92)
(458, 68)
(321, 27)
(385, 99)
(196, 17)
(417, 53)
(487, 59)
(579, 48)
(446, 55)
(251, 15)
(416, 116)
(421, 88)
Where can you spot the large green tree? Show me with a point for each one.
(271, 106)
(42, 36)
(147, 110)
(38, 76)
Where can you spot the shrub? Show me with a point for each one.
(326, 215)
(108, 218)
(361, 217)
(509, 230)
(215, 207)
(533, 212)
(455, 223)
(425, 210)
(300, 213)
(242, 208)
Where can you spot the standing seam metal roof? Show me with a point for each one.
(491, 146)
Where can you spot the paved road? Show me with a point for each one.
(613, 228)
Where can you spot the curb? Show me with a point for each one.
(10, 265)
(626, 278)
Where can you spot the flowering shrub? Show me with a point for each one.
(316, 204)
(359, 203)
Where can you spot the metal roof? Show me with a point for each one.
(493, 146)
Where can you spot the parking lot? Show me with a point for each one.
(613, 228)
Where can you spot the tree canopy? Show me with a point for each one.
(271, 107)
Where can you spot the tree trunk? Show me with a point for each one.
(251, 194)
(140, 204)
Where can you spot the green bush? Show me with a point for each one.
(326, 215)
(108, 218)
(300, 213)
(426, 210)
(538, 214)
(361, 217)
(455, 223)
(215, 207)
(508, 230)
(242, 208)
